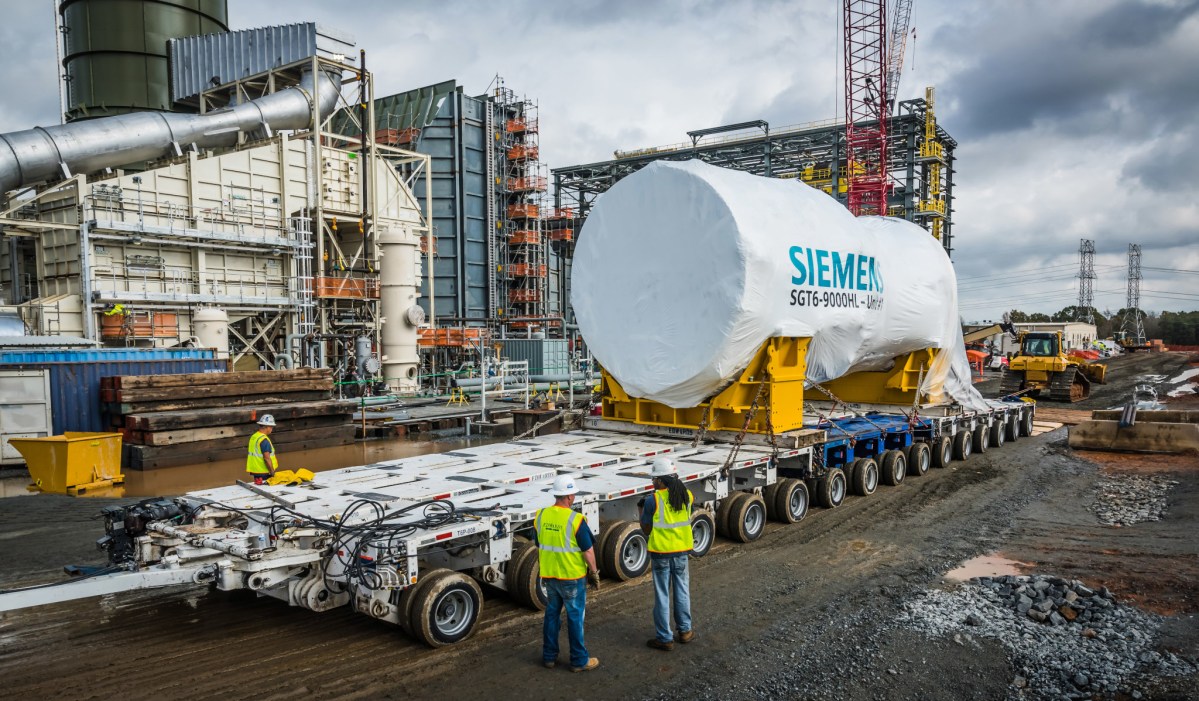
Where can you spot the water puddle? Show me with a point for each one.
(986, 566)
(172, 481)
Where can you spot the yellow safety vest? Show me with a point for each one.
(672, 527)
(558, 550)
(255, 462)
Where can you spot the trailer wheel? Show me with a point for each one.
(981, 439)
(703, 532)
(961, 445)
(626, 553)
(919, 458)
(997, 430)
(524, 579)
(791, 501)
(447, 609)
(722, 513)
(893, 467)
(1026, 423)
(769, 495)
(942, 451)
(865, 476)
(747, 518)
(412, 593)
(1012, 428)
(831, 489)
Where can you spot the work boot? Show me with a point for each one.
(659, 645)
(259, 481)
(549, 664)
(685, 637)
(592, 663)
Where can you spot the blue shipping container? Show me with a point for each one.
(75, 386)
(91, 355)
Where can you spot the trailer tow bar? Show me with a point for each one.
(166, 574)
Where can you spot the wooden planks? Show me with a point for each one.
(171, 420)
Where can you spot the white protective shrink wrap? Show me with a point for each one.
(683, 270)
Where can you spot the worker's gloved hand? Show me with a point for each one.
(593, 580)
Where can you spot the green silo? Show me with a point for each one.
(115, 51)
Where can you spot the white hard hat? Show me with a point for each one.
(564, 486)
(663, 467)
(266, 420)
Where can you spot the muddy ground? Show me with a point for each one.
(807, 612)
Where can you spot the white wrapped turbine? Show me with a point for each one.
(683, 270)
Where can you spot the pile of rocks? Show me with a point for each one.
(1063, 638)
(1127, 499)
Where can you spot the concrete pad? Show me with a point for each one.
(1147, 437)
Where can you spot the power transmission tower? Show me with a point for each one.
(1133, 326)
(1086, 277)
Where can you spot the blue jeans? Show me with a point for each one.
(670, 573)
(570, 594)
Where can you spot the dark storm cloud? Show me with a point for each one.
(1028, 65)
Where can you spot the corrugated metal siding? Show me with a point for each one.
(90, 355)
(75, 387)
(196, 60)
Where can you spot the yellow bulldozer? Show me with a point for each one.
(1042, 364)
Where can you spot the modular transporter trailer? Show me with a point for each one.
(412, 541)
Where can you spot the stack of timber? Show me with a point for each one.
(172, 420)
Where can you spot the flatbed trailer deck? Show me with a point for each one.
(412, 541)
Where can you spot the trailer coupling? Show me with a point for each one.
(165, 574)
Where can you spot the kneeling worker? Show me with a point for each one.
(566, 555)
(261, 463)
(666, 522)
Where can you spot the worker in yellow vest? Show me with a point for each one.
(566, 555)
(261, 462)
(666, 522)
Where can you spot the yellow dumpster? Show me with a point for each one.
(73, 462)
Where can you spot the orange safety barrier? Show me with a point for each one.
(140, 325)
(526, 270)
(520, 124)
(451, 337)
(347, 287)
(521, 152)
(397, 137)
(519, 296)
(522, 211)
(524, 237)
(562, 235)
(527, 184)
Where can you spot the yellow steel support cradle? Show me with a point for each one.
(782, 363)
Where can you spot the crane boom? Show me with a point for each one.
(899, 40)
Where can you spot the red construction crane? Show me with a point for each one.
(866, 105)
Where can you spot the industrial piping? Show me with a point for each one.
(44, 153)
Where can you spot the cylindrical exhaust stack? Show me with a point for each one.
(399, 276)
(115, 58)
(212, 330)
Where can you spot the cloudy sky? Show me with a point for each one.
(1075, 118)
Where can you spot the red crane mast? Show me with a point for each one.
(866, 106)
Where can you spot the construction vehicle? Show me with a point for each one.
(1043, 364)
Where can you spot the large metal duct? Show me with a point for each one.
(43, 153)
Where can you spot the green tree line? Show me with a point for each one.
(1179, 328)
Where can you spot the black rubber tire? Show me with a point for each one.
(865, 476)
(407, 596)
(942, 451)
(997, 436)
(919, 458)
(832, 488)
(626, 553)
(524, 582)
(961, 445)
(1012, 428)
(722, 513)
(700, 521)
(446, 610)
(892, 468)
(981, 439)
(747, 519)
(791, 501)
(768, 495)
(1026, 423)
